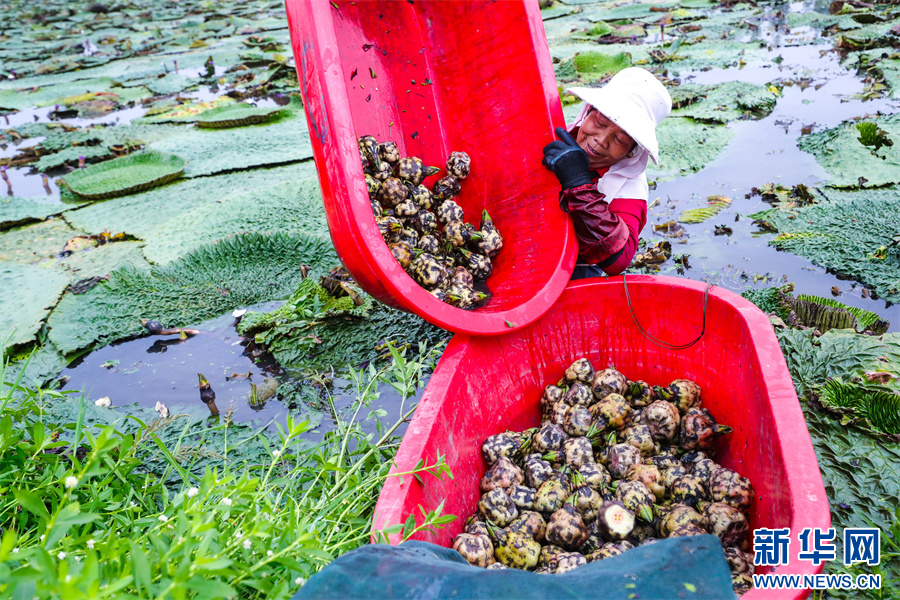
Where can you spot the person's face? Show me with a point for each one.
(604, 142)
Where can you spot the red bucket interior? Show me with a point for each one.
(436, 77)
(484, 386)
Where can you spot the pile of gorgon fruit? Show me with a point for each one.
(445, 260)
(614, 464)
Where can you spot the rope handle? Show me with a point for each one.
(657, 341)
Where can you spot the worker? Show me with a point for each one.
(600, 161)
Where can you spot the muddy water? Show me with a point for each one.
(818, 93)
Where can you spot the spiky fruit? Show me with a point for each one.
(372, 186)
(548, 552)
(503, 474)
(576, 420)
(668, 476)
(740, 561)
(665, 461)
(389, 152)
(421, 195)
(620, 457)
(537, 470)
(704, 469)
(406, 209)
(410, 237)
(687, 529)
(491, 241)
(530, 523)
(425, 222)
(728, 523)
(496, 566)
(683, 393)
(699, 430)
(509, 444)
(553, 493)
(639, 436)
(640, 394)
(548, 438)
(614, 410)
(727, 486)
(463, 296)
(581, 370)
(579, 394)
(637, 498)
(413, 170)
(368, 150)
(614, 521)
(603, 553)
(650, 476)
(596, 476)
(688, 489)
(402, 253)
(587, 501)
(390, 228)
(449, 212)
(566, 561)
(558, 414)
(676, 516)
(480, 266)
(522, 496)
(495, 506)
(551, 395)
(578, 451)
(566, 527)
(476, 524)
(446, 188)
(609, 381)
(459, 164)
(392, 192)
(475, 548)
(663, 418)
(383, 171)
(515, 549)
(427, 271)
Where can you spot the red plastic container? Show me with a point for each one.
(484, 386)
(437, 76)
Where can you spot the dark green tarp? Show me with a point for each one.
(684, 567)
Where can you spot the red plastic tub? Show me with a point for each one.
(437, 76)
(484, 386)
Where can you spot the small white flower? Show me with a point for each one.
(162, 409)
(269, 553)
(90, 544)
(71, 481)
(226, 501)
(15, 550)
(77, 559)
(61, 555)
(68, 578)
(265, 575)
(238, 312)
(238, 535)
(192, 492)
(105, 402)
(276, 453)
(247, 544)
(132, 504)
(163, 518)
(42, 537)
(299, 581)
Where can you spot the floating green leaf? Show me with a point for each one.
(697, 215)
(130, 174)
(597, 65)
(236, 115)
(27, 294)
(881, 408)
(864, 318)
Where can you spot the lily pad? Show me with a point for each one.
(36, 242)
(27, 294)
(849, 162)
(597, 65)
(236, 115)
(685, 147)
(238, 271)
(19, 211)
(724, 102)
(126, 175)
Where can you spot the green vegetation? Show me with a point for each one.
(190, 507)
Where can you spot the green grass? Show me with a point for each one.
(92, 511)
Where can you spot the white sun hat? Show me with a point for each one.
(635, 100)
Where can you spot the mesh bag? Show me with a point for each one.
(685, 567)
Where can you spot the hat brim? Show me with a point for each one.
(625, 114)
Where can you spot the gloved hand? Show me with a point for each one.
(567, 160)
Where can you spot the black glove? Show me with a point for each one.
(567, 160)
